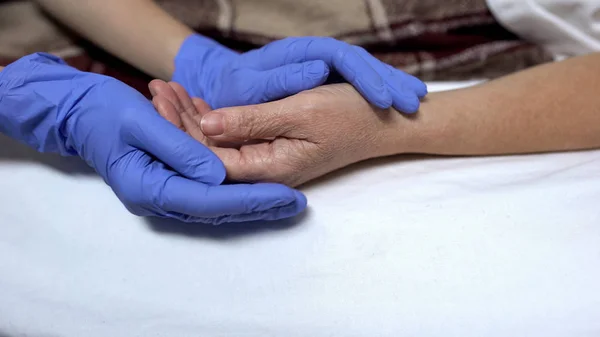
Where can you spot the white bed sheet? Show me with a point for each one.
(503, 246)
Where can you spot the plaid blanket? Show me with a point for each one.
(432, 39)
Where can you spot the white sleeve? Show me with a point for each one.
(564, 27)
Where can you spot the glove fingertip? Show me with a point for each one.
(423, 91)
(295, 204)
(382, 100)
(301, 202)
(275, 196)
(407, 104)
(211, 172)
(317, 71)
(419, 88)
(414, 84)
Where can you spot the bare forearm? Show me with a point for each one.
(138, 31)
(554, 107)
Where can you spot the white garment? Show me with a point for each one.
(564, 27)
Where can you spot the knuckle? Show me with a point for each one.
(157, 196)
(359, 49)
(133, 193)
(269, 49)
(245, 124)
(288, 40)
(329, 39)
(148, 198)
(310, 42)
(252, 168)
(309, 104)
(281, 80)
(276, 86)
(238, 125)
(343, 50)
(248, 95)
(238, 117)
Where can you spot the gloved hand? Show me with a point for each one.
(154, 168)
(224, 78)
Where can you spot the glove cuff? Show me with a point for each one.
(26, 112)
(14, 74)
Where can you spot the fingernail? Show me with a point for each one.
(212, 124)
(152, 91)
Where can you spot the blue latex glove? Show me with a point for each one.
(223, 77)
(154, 168)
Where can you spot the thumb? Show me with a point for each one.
(292, 78)
(163, 141)
(252, 122)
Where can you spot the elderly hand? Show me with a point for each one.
(290, 141)
(282, 68)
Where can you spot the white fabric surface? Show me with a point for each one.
(504, 246)
(565, 27)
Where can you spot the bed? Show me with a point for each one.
(405, 246)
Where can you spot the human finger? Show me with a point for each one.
(187, 103)
(240, 124)
(162, 88)
(201, 105)
(166, 109)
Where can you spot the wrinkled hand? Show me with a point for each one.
(290, 141)
(282, 68)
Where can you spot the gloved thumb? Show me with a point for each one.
(175, 148)
(252, 122)
(291, 79)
